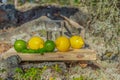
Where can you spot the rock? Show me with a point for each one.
(8, 66)
(80, 17)
(3, 16)
(24, 31)
(4, 69)
(7, 15)
(4, 46)
(13, 17)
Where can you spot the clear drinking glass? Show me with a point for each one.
(54, 29)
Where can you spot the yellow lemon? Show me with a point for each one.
(76, 42)
(62, 43)
(36, 43)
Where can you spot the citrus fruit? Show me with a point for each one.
(49, 46)
(77, 42)
(41, 50)
(62, 43)
(38, 51)
(28, 51)
(19, 45)
(36, 43)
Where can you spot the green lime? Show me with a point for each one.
(41, 50)
(19, 45)
(31, 51)
(25, 51)
(49, 45)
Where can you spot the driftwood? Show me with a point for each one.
(72, 23)
(72, 55)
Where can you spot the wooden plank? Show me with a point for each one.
(81, 54)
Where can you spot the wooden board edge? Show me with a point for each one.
(74, 56)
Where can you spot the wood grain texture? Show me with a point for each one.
(72, 55)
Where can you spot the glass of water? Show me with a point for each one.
(54, 29)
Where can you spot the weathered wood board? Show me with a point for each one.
(73, 55)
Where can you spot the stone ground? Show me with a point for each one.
(106, 69)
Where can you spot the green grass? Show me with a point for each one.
(29, 74)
